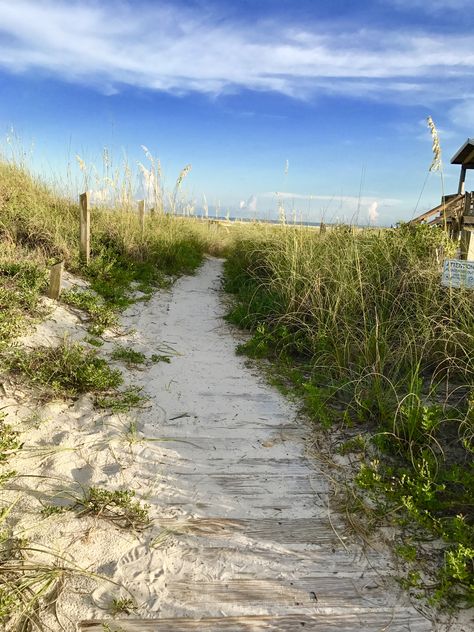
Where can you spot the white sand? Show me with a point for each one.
(240, 517)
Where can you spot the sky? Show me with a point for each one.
(316, 106)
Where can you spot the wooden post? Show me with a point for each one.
(462, 180)
(467, 243)
(55, 279)
(141, 214)
(85, 218)
(322, 228)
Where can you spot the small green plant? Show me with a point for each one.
(102, 315)
(121, 401)
(95, 342)
(21, 286)
(407, 552)
(353, 445)
(160, 358)
(412, 580)
(9, 440)
(107, 627)
(68, 369)
(128, 356)
(54, 510)
(119, 507)
(122, 605)
(456, 579)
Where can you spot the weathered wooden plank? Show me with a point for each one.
(258, 484)
(55, 279)
(444, 206)
(325, 592)
(365, 621)
(209, 465)
(309, 531)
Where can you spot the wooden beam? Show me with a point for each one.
(55, 279)
(469, 158)
(462, 180)
(85, 231)
(444, 206)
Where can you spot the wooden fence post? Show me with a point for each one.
(55, 279)
(467, 243)
(467, 233)
(141, 214)
(322, 228)
(85, 219)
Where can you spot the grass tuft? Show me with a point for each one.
(69, 369)
(118, 507)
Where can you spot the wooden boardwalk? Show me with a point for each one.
(245, 540)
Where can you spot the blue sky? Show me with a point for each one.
(336, 91)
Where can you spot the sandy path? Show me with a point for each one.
(241, 528)
(244, 516)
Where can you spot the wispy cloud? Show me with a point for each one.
(166, 47)
(340, 207)
(432, 6)
(462, 114)
(346, 199)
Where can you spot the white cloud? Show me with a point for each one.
(373, 212)
(346, 199)
(249, 205)
(171, 48)
(335, 208)
(462, 114)
(432, 6)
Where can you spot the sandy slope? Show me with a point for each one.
(241, 519)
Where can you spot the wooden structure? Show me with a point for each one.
(55, 280)
(456, 212)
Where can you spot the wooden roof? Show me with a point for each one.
(465, 155)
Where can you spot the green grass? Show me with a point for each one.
(359, 327)
(128, 355)
(9, 440)
(102, 315)
(121, 401)
(37, 221)
(122, 605)
(118, 507)
(21, 286)
(69, 369)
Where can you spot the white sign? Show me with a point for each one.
(458, 273)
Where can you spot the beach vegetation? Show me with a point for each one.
(67, 370)
(117, 506)
(121, 401)
(128, 355)
(360, 326)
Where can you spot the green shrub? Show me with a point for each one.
(68, 369)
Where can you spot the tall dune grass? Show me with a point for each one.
(361, 325)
